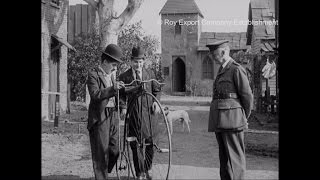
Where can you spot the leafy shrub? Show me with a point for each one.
(86, 57)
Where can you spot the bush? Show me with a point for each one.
(86, 57)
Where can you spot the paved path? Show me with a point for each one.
(165, 100)
(185, 98)
(188, 108)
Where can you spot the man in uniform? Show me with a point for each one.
(136, 122)
(102, 112)
(230, 108)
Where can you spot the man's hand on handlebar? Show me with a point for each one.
(145, 81)
(118, 85)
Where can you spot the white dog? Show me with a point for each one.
(178, 115)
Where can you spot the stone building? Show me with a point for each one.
(184, 54)
(54, 49)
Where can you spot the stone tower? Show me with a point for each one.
(180, 34)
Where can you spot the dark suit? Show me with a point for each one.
(138, 123)
(101, 125)
(228, 118)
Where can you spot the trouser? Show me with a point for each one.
(231, 155)
(138, 157)
(104, 145)
(139, 127)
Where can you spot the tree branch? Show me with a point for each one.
(127, 14)
(92, 3)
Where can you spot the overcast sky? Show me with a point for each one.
(212, 10)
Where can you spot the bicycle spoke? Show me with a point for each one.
(150, 133)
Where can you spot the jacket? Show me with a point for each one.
(232, 113)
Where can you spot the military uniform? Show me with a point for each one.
(230, 107)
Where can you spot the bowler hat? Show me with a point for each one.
(217, 44)
(114, 52)
(137, 53)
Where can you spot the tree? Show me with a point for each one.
(132, 36)
(57, 18)
(109, 24)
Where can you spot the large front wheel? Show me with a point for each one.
(149, 137)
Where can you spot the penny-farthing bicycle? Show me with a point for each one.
(154, 148)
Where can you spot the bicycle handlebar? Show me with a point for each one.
(150, 80)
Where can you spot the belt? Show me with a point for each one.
(225, 96)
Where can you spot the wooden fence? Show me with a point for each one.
(79, 20)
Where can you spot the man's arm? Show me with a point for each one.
(95, 92)
(244, 90)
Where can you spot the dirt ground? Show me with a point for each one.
(67, 148)
(257, 144)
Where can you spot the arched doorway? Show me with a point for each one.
(179, 75)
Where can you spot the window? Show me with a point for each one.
(177, 29)
(207, 72)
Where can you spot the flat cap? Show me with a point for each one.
(217, 44)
